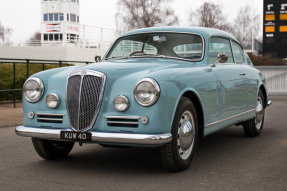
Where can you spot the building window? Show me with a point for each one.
(73, 18)
(61, 37)
(45, 37)
(56, 37)
(56, 17)
(61, 16)
(67, 17)
(51, 37)
(78, 19)
(50, 17)
(45, 17)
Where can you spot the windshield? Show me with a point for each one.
(172, 45)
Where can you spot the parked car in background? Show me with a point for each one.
(155, 87)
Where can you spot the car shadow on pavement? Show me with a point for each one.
(96, 159)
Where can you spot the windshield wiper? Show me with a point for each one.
(148, 55)
(117, 57)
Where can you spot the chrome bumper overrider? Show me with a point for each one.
(99, 137)
(269, 103)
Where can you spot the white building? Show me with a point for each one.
(60, 22)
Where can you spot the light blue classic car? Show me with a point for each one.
(155, 87)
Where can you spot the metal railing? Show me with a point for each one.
(13, 61)
(81, 36)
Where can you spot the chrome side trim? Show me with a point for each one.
(269, 103)
(123, 122)
(98, 137)
(49, 119)
(52, 114)
(122, 117)
(229, 118)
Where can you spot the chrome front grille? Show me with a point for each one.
(84, 93)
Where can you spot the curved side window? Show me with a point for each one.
(218, 45)
(191, 51)
(238, 53)
(247, 60)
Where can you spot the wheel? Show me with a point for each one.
(253, 127)
(177, 155)
(52, 150)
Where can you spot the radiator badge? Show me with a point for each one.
(83, 73)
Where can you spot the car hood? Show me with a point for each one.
(140, 67)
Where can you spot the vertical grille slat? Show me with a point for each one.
(83, 104)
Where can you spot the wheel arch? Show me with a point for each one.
(194, 97)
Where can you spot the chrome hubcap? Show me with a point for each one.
(259, 113)
(185, 136)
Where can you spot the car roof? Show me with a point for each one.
(205, 32)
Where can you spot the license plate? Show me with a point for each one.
(76, 136)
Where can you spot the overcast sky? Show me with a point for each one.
(24, 15)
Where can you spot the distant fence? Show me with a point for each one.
(84, 36)
(276, 77)
(28, 62)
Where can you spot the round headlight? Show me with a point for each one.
(52, 100)
(121, 103)
(147, 92)
(33, 89)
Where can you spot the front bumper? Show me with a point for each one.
(98, 137)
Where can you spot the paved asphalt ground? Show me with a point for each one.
(226, 160)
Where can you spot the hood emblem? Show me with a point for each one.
(83, 73)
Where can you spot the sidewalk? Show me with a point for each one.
(10, 116)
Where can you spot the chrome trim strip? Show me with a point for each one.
(49, 119)
(229, 118)
(230, 43)
(79, 104)
(52, 114)
(98, 137)
(178, 58)
(269, 103)
(92, 73)
(122, 117)
(123, 122)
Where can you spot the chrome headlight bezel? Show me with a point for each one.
(41, 86)
(126, 102)
(57, 97)
(157, 94)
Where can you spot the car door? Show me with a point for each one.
(231, 84)
(252, 82)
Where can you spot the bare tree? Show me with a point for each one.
(243, 25)
(134, 14)
(34, 40)
(5, 33)
(210, 15)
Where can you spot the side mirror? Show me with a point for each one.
(222, 58)
(98, 58)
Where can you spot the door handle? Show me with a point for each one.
(243, 74)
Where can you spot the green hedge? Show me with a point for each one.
(6, 77)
